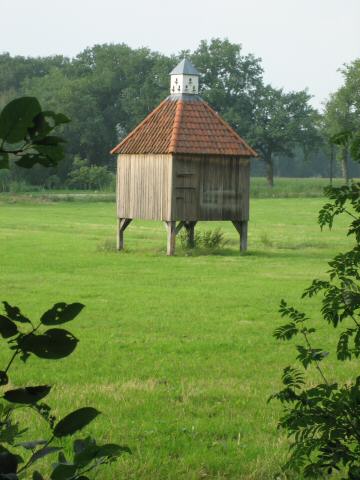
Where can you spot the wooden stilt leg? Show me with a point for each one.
(171, 237)
(123, 223)
(242, 228)
(243, 235)
(119, 236)
(190, 228)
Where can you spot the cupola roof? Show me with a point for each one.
(185, 67)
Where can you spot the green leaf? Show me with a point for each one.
(75, 421)
(50, 140)
(63, 471)
(44, 123)
(4, 379)
(4, 160)
(7, 327)
(308, 355)
(62, 458)
(53, 152)
(286, 332)
(17, 117)
(343, 351)
(341, 138)
(31, 445)
(8, 461)
(112, 450)
(37, 476)
(61, 313)
(27, 395)
(53, 344)
(355, 148)
(292, 377)
(14, 313)
(85, 450)
(31, 159)
(43, 452)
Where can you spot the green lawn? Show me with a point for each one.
(176, 352)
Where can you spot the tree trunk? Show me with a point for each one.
(331, 173)
(344, 164)
(269, 170)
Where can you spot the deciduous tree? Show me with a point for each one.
(280, 122)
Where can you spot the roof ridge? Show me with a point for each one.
(176, 126)
(229, 128)
(148, 117)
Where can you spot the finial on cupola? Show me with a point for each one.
(184, 78)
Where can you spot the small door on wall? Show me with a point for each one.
(186, 190)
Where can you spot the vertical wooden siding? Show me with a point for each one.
(183, 187)
(210, 188)
(144, 186)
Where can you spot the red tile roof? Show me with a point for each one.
(184, 125)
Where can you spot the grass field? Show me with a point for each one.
(259, 188)
(176, 352)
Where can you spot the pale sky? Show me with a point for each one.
(302, 43)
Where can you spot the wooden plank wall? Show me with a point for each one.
(210, 188)
(144, 186)
(186, 187)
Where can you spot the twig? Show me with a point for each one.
(29, 462)
(317, 366)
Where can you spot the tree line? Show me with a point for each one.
(108, 89)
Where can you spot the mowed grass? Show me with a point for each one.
(177, 353)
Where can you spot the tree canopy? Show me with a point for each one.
(108, 89)
(342, 111)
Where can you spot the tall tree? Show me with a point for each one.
(342, 111)
(230, 82)
(105, 89)
(281, 121)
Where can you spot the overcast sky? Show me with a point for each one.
(302, 43)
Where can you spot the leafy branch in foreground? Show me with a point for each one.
(18, 455)
(323, 421)
(24, 138)
(24, 134)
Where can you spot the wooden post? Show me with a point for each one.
(179, 226)
(242, 228)
(171, 237)
(190, 228)
(243, 235)
(123, 223)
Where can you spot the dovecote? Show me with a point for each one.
(182, 164)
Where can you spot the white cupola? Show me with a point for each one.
(184, 78)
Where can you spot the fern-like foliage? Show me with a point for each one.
(323, 421)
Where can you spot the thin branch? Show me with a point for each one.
(356, 322)
(349, 213)
(317, 366)
(30, 461)
(95, 465)
(17, 351)
(12, 359)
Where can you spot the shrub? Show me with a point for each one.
(266, 241)
(107, 245)
(18, 455)
(4, 180)
(89, 177)
(323, 420)
(207, 239)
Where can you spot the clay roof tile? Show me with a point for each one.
(182, 125)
